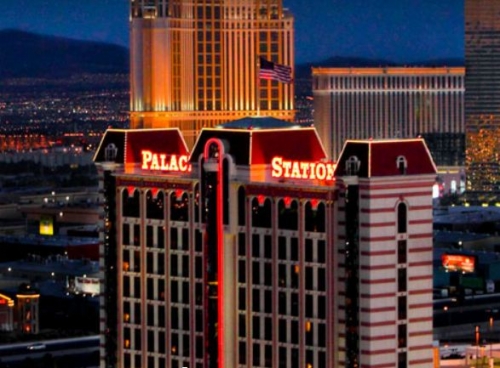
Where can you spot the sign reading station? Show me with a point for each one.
(161, 162)
(302, 169)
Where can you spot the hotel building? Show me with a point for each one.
(392, 102)
(195, 63)
(253, 250)
(482, 93)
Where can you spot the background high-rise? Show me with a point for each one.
(195, 63)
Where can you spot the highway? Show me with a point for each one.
(79, 349)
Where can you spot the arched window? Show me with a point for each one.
(130, 203)
(315, 217)
(261, 213)
(401, 164)
(402, 218)
(241, 206)
(155, 205)
(288, 216)
(110, 152)
(352, 165)
(179, 207)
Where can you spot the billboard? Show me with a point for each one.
(458, 262)
(87, 285)
(46, 225)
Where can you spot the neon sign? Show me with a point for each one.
(160, 162)
(302, 169)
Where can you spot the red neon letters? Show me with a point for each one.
(302, 169)
(159, 162)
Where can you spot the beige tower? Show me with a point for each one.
(195, 63)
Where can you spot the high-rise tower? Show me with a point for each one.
(195, 63)
(482, 93)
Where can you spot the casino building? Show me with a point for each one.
(253, 250)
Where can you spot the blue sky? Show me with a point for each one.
(398, 30)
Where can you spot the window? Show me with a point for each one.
(288, 215)
(402, 336)
(402, 360)
(261, 213)
(309, 250)
(402, 307)
(401, 279)
(402, 218)
(282, 248)
(352, 165)
(241, 206)
(154, 205)
(402, 251)
(401, 164)
(130, 203)
(315, 218)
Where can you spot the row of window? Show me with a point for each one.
(287, 211)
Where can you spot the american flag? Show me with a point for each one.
(274, 71)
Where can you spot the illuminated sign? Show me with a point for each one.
(302, 169)
(46, 225)
(161, 162)
(458, 262)
(87, 285)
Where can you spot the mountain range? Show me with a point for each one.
(30, 55)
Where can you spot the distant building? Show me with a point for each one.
(253, 250)
(27, 308)
(195, 63)
(393, 102)
(6, 313)
(482, 94)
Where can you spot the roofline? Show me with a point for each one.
(381, 71)
(258, 129)
(371, 142)
(126, 131)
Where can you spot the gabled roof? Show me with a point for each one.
(380, 157)
(255, 141)
(130, 142)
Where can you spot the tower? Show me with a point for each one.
(195, 63)
(253, 250)
(482, 93)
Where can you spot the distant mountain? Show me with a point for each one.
(28, 55)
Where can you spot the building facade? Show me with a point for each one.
(482, 93)
(195, 63)
(405, 102)
(248, 251)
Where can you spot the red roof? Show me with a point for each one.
(258, 146)
(297, 144)
(380, 157)
(168, 141)
(130, 143)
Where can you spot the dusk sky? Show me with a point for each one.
(397, 30)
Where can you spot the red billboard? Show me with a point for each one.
(458, 262)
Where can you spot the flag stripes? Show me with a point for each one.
(273, 71)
